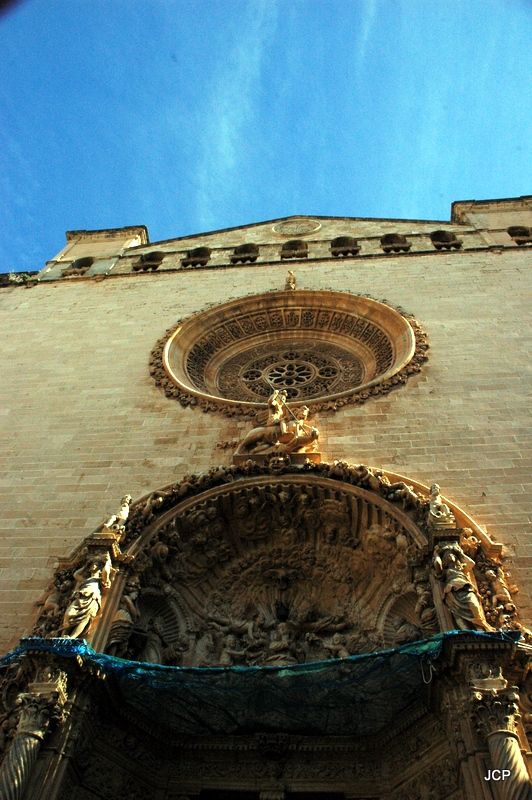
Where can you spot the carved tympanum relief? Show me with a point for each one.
(325, 348)
(276, 564)
(271, 575)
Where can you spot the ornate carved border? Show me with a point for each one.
(357, 396)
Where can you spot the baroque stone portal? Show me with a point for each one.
(295, 569)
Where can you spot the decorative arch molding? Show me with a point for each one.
(279, 564)
(274, 565)
(325, 348)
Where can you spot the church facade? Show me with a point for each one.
(267, 513)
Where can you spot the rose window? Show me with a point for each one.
(314, 345)
(300, 374)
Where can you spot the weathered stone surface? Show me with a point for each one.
(83, 421)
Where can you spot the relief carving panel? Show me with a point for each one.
(277, 573)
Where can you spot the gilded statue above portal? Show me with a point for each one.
(285, 432)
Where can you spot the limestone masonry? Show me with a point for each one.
(90, 410)
(83, 420)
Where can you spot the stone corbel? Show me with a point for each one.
(39, 709)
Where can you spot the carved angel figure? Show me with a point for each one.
(87, 597)
(117, 522)
(440, 514)
(453, 567)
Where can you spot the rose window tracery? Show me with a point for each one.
(316, 345)
(305, 372)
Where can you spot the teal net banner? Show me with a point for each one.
(351, 696)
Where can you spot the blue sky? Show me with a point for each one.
(193, 115)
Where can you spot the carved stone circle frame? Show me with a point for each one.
(297, 227)
(325, 348)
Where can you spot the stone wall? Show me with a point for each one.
(83, 421)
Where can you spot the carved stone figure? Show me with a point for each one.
(440, 515)
(385, 547)
(281, 650)
(154, 643)
(469, 543)
(301, 435)
(403, 491)
(154, 502)
(501, 592)
(117, 522)
(405, 632)
(230, 653)
(87, 597)
(284, 431)
(227, 624)
(337, 647)
(424, 608)
(290, 281)
(453, 567)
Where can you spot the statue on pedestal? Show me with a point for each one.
(453, 567)
(440, 515)
(87, 597)
(285, 431)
